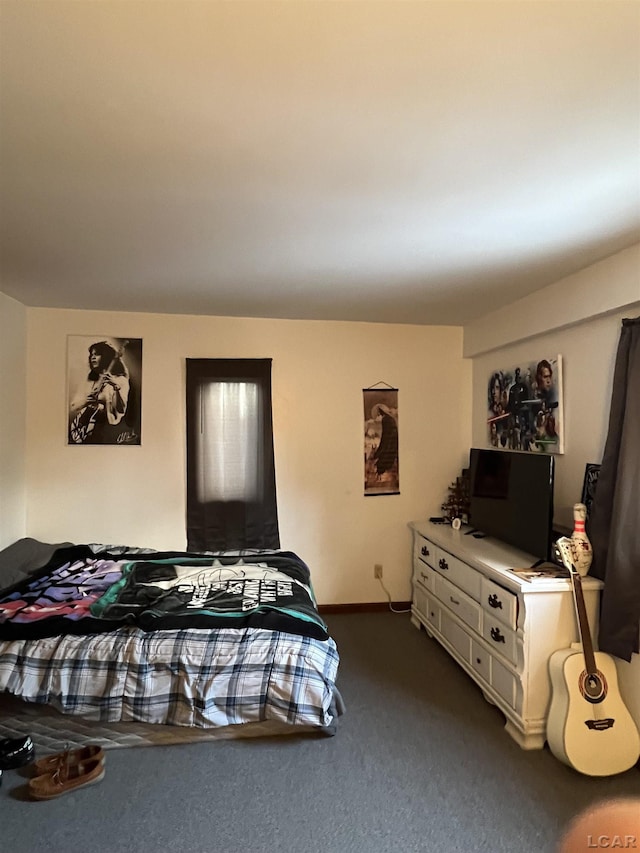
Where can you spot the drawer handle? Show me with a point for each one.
(424, 577)
(496, 636)
(425, 551)
(443, 564)
(453, 600)
(494, 602)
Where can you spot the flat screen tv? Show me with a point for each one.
(511, 498)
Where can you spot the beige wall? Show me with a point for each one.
(587, 339)
(12, 420)
(608, 286)
(136, 495)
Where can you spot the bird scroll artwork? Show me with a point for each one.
(381, 463)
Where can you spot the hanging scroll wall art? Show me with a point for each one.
(381, 466)
(525, 407)
(104, 385)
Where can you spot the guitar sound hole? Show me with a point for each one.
(593, 687)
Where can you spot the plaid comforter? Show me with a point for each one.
(190, 677)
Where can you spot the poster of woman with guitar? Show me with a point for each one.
(104, 390)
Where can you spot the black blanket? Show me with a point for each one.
(80, 591)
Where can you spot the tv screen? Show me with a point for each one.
(512, 498)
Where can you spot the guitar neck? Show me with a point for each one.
(583, 623)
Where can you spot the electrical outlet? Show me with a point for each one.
(377, 570)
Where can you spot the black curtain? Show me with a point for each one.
(614, 527)
(241, 519)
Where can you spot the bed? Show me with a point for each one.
(230, 640)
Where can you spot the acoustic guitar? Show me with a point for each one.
(588, 727)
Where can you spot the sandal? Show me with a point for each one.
(67, 777)
(50, 763)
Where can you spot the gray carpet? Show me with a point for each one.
(420, 763)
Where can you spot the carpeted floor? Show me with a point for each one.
(420, 763)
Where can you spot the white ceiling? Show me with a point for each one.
(410, 162)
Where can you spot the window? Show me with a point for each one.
(231, 496)
(227, 445)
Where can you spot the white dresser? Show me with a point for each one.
(500, 628)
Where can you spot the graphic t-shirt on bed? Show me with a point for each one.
(162, 594)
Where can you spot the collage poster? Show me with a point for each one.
(525, 406)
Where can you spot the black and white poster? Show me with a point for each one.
(104, 390)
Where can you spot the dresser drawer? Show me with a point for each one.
(456, 636)
(481, 661)
(502, 639)
(458, 573)
(433, 612)
(503, 682)
(465, 608)
(499, 602)
(419, 600)
(424, 575)
(424, 551)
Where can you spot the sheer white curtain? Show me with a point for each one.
(228, 441)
